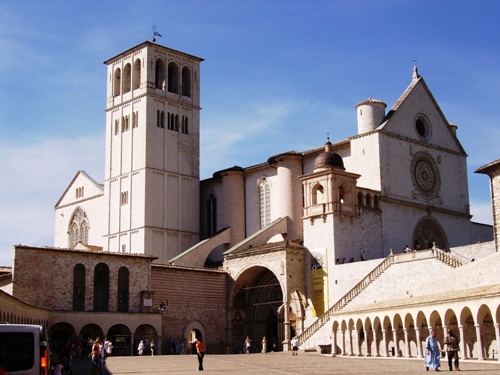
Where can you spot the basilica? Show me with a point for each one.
(357, 247)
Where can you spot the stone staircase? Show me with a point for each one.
(343, 301)
(446, 258)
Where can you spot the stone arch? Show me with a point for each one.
(194, 325)
(144, 332)
(488, 335)
(62, 331)
(427, 231)
(377, 331)
(469, 330)
(91, 331)
(317, 194)
(410, 349)
(119, 335)
(343, 193)
(398, 332)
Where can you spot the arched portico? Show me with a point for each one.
(267, 294)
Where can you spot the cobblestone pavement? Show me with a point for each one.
(274, 364)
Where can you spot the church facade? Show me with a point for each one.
(272, 248)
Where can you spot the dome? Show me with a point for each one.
(328, 159)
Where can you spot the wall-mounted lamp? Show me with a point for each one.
(163, 306)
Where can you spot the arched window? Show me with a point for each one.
(360, 199)
(127, 78)
(136, 76)
(117, 82)
(84, 232)
(317, 194)
(344, 193)
(160, 119)
(185, 125)
(186, 81)
(78, 228)
(265, 203)
(79, 287)
(368, 200)
(123, 286)
(101, 287)
(160, 74)
(211, 215)
(173, 78)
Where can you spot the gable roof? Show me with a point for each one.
(98, 186)
(418, 80)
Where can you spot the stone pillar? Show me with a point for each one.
(286, 342)
(342, 344)
(333, 336)
(384, 340)
(497, 334)
(289, 168)
(480, 356)
(131, 345)
(463, 343)
(356, 350)
(419, 342)
(351, 346)
(396, 344)
(375, 340)
(407, 343)
(233, 203)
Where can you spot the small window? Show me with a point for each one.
(173, 78)
(117, 83)
(423, 128)
(117, 127)
(186, 82)
(136, 77)
(185, 125)
(124, 198)
(127, 78)
(160, 74)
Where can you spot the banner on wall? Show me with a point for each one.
(319, 281)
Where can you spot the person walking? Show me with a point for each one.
(200, 349)
(140, 348)
(264, 345)
(452, 347)
(295, 346)
(95, 354)
(432, 358)
(248, 344)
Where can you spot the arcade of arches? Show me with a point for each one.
(402, 332)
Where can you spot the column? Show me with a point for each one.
(497, 334)
(286, 342)
(375, 340)
(407, 343)
(342, 345)
(396, 344)
(463, 344)
(481, 356)
(419, 342)
(333, 344)
(131, 345)
(384, 340)
(351, 346)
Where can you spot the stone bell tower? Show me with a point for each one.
(152, 151)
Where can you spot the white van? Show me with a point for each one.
(24, 349)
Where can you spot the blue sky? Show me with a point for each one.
(277, 75)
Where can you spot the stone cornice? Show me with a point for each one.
(425, 207)
(161, 98)
(95, 252)
(78, 201)
(267, 248)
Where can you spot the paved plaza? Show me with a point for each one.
(274, 364)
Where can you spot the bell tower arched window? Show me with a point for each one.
(160, 74)
(117, 82)
(136, 75)
(186, 81)
(317, 194)
(127, 78)
(173, 78)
